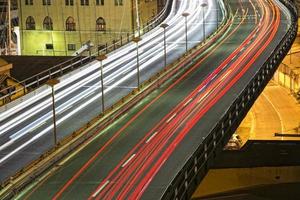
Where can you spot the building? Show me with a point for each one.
(60, 27)
(8, 83)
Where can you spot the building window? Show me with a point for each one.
(100, 2)
(100, 24)
(30, 23)
(69, 2)
(49, 46)
(28, 2)
(71, 47)
(47, 24)
(118, 2)
(70, 24)
(84, 2)
(46, 2)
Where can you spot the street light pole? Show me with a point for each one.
(101, 58)
(217, 16)
(203, 5)
(52, 83)
(164, 26)
(185, 14)
(136, 40)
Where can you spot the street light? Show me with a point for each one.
(101, 58)
(185, 14)
(52, 83)
(164, 26)
(217, 16)
(203, 5)
(136, 40)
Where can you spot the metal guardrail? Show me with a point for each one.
(78, 61)
(196, 167)
(12, 185)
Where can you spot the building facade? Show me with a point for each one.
(60, 27)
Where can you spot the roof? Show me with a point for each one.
(2, 62)
(27, 66)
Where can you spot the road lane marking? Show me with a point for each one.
(225, 66)
(129, 159)
(171, 118)
(110, 81)
(101, 188)
(125, 71)
(189, 101)
(233, 57)
(152, 136)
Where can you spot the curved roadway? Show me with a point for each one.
(26, 129)
(140, 154)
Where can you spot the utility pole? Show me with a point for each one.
(101, 58)
(52, 83)
(9, 27)
(186, 39)
(164, 26)
(136, 40)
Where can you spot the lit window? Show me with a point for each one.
(84, 2)
(100, 24)
(49, 46)
(46, 2)
(47, 24)
(118, 2)
(30, 23)
(28, 2)
(71, 47)
(100, 2)
(69, 2)
(70, 24)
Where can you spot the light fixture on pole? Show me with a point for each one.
(203, 5)
(52, 83)
(164, 26)
(101, 58)
(185, 14)
(136, 40)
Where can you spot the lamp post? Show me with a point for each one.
(185, 14)
(136, 40)
(52, 83)
(217, 16)
(203, 5)
(164, 26)
(101, 58)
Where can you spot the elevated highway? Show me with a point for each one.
(162, 147)
(26, 126)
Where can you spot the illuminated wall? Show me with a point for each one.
(119, 21)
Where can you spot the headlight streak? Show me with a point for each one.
(148, 58)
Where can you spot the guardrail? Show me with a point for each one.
(78, 61)
(12, 185)
(196, 167)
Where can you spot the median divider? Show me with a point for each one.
(85, 134)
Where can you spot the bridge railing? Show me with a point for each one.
(196, 167)
(6, 94)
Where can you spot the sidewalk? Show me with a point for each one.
(275, 111)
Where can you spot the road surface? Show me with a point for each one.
(139, 155)
(26, 129)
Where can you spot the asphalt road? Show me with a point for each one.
(139, 155)
(26, 130)
(274, 111)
